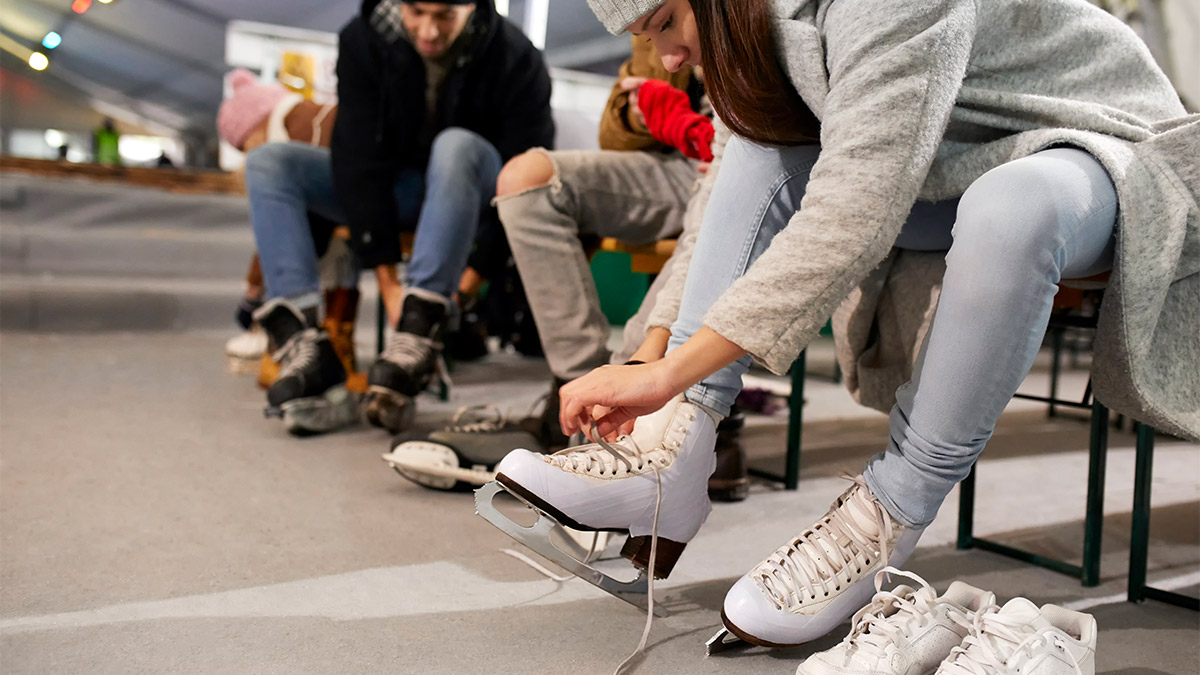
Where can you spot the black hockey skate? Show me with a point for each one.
(309, 393)
(409, 363)
(464, 455)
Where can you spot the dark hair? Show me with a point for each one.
(745, 82)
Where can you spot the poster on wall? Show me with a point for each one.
(303, 61)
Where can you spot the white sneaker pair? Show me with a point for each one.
(913, 631)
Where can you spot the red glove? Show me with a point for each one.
(670, 118)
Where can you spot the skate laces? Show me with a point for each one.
(995, 643)
(641, 648)
(893, 614)
(408, 350)
(624, 457)
(488, 418)
(298, 354)
(824, 559)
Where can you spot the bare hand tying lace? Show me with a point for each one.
(606, 401)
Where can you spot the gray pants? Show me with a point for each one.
(637, 197)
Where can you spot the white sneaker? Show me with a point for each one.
(904, 631)
(590, 487)
(244, 350)
(1020, 638)
(251, 344)
(810, 585)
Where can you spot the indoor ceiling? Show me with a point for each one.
(162, 61)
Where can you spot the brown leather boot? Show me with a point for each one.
(730, 482)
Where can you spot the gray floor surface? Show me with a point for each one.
(153, 521)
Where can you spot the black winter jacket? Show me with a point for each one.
(498, 88)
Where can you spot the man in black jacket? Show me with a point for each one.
(433, 98)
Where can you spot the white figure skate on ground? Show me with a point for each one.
(651, 484)
(820, 578)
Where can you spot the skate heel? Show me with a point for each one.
(637, 551)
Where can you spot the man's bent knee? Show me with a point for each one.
(526, 171)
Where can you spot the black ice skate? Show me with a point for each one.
(464, 454)
(409, 363)
(310, 390)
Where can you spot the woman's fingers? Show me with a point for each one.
(632, 83)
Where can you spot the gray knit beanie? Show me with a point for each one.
(617, 14)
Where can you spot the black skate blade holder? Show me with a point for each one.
(537, 538)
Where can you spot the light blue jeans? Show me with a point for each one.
(1011, 236)
(443, 204)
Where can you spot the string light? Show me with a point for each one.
(51, 40)
(38, 61)
(105, 2)
(81, 6)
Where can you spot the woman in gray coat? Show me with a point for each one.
(993, 146)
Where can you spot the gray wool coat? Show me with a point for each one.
(918, 99)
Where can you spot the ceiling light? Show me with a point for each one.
(38, 61)
(51, 40)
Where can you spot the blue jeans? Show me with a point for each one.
(1014, 233)
(443, 205)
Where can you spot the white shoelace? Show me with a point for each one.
(490, 418)
(994, 640)
(618, 459)
(893, 614)
(653, 549)
(298, 353)
(407, 350)
(817, 562)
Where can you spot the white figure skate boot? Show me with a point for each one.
(819, 579)
(904, 631)
(1020, 638)
(654, 480)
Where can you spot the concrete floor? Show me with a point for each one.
(151, 520)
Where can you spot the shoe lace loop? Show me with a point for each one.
(819, 560)
(298, 354)
(894, 613)
(993, 643)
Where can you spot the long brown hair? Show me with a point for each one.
(743, 78)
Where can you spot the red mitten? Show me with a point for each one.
(670, 119)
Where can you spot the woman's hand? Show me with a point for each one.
(631, 85)
(607, 398)
(606, 401)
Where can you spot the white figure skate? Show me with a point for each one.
(819, 579)
(651, 484)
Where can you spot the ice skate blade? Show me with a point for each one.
(723, 641)
(537, 538)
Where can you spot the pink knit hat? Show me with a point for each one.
(250, 104)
